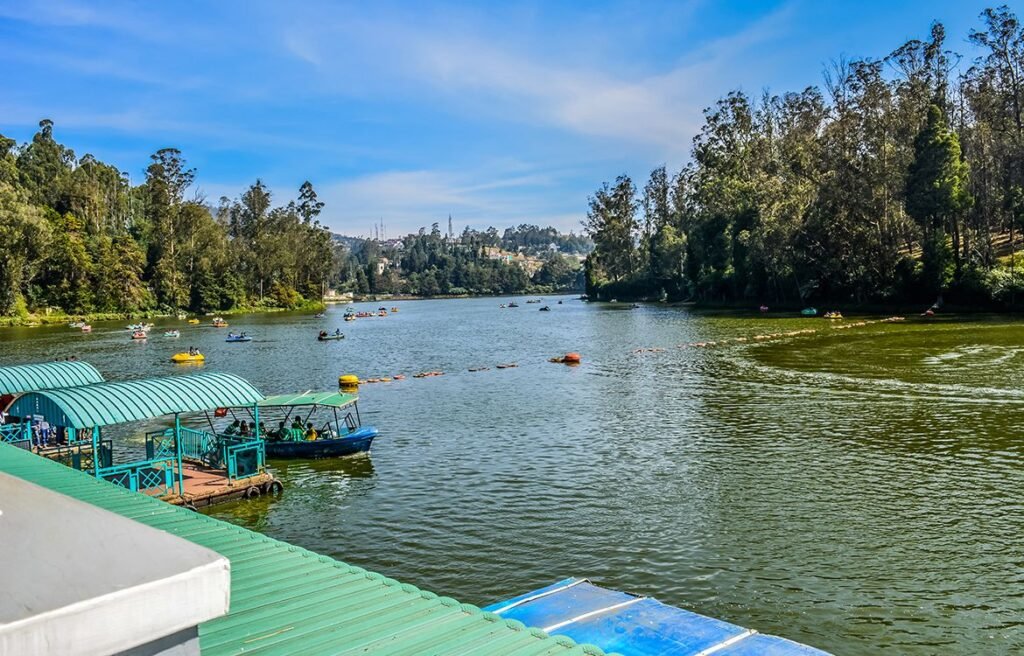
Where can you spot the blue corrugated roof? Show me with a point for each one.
(638, 626)
(47, 375)
(287, 600)
(104, 404)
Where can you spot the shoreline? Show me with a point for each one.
(35, 320)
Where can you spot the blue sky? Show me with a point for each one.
(495, 113)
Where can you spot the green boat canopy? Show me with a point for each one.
(326, 399)
(47, 375)
(105, 404)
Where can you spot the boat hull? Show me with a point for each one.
(355, 442)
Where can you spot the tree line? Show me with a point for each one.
(899, 179)
(77, 237)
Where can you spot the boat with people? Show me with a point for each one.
(319, 315)
(325, 336)
(192, 356)
(546, 308)
(76, 324)
(513, 304)
(172, 333)
(809, 312)
(394, 309)
(218, 322)
(833, 315)
(240, 337)
(194, 321)
(139, 334)
(382, 312)
(144, 327)
(314, 425)
(86, 328)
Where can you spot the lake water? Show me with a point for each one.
(860, 490)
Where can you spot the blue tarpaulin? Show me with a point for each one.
(637, 626)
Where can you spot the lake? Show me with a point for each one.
(857, 490)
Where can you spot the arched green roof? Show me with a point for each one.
(104, 404)
(47, 375)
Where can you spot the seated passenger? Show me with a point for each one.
(310, 432)
(232, 429)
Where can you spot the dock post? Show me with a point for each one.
(177, 453)
(96, 451)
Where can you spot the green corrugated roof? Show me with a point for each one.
(287, 600)
(329, 399)
(47, 375)
(104, 404)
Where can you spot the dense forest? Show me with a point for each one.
(901, 179)
(77, 238)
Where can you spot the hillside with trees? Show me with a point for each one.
(900, 180)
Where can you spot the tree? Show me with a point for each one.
(937, 192)
(611, 222)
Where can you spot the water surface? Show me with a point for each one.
(857, 490)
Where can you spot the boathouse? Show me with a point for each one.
(181, 465)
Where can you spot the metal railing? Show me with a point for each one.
(154, 475)
(19, 435)
(240, 456)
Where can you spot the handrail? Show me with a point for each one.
(142, 475)
(15, 432)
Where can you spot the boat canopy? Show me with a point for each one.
(47, 375)
(309, 398)
(105, 404)
(640, 626)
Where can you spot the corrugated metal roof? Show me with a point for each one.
(287, 600)
(104, 404)
(47, 375)
(328, 399)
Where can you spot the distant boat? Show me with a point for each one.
(513, 304)
(172, 333)
(319, 315)
(238, 338)
(545, 309)
(809, 312)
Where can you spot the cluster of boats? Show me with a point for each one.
(513, 304)
(352, 315)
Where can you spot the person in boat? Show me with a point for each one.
(278, 433)
(263, 429)
(295, 433)
(193, 351)
(233, 429)
(310, 432)
(337, 332)
(323, 333)
(244, 429)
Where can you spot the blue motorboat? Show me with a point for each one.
(298, 434)
(624, 623)
(241, 337)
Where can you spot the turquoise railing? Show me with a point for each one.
(154, 475)
(240, 456)
(17, 434)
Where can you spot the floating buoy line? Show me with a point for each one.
(352, 381)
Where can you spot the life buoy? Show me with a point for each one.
(252, 492)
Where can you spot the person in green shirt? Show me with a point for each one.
(233, 429)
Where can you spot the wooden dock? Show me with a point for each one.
(205, 486)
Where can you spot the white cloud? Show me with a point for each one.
(407, 200)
